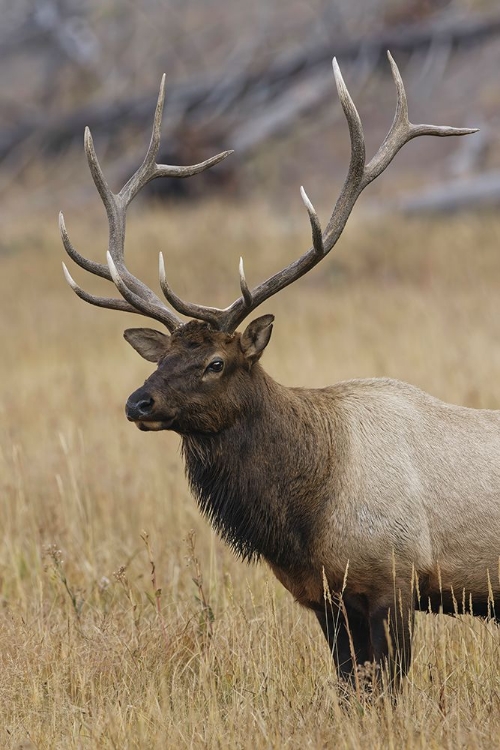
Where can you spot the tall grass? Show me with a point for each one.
(124, 622)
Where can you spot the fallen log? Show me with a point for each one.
(247, 92)
(480, 191)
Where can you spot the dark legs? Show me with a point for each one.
(390, 635)
(348, 636)
(381, 636)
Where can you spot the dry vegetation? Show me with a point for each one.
(93, 653)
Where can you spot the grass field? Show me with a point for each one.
(213, 653)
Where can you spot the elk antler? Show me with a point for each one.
(138, 298)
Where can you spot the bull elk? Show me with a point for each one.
(368, 499)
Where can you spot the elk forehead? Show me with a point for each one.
(198, 339)
(196, 333)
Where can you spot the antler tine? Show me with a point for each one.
(99, 269)
(317, 234)
(245, 291)
(209, 314)
(154, 144)
(150, 170)
(402, 131)
(359, 175)
(109, 302)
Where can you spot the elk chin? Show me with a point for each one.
(151, 426)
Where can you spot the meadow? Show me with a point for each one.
(124, 622)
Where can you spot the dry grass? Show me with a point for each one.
(92, 654)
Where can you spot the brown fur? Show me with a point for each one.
(368, 499)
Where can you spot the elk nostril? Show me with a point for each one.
(139, 405)
(145, 405)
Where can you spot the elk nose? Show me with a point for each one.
(139, 406)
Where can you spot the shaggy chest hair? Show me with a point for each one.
(247, 498)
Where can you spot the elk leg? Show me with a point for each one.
(390, 635)
(348, 634)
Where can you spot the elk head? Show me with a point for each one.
(206, 371)
(203, 382)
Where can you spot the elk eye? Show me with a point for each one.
(216, 366)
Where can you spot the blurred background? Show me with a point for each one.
(254, 77)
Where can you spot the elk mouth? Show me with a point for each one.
(146, 425)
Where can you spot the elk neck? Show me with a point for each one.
(265, 481)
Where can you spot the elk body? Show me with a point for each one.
(368, 499)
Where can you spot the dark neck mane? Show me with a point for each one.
(252, 480)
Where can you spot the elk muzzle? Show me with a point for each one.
(142, 409)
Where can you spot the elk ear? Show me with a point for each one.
(255, 337)
(150, 344)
